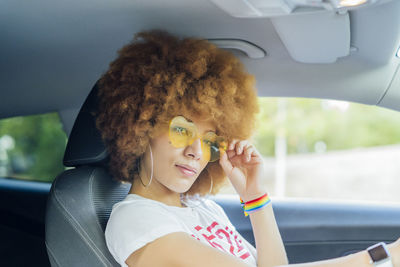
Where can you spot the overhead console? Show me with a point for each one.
(274, 8)
(313, 31)
(307, 39)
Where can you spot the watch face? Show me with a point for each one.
(378, 253)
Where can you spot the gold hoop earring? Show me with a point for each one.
(151, 176)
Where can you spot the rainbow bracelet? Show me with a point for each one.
(255, 204)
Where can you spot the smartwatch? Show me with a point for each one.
(380, 255)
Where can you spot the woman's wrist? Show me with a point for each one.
(255, 205)
(394, 250)
(252, 196)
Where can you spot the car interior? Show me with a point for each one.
(53, 53)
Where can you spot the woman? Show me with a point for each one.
(177, 116)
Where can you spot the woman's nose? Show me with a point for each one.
(194, 150)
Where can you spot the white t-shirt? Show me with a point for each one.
(137, 221)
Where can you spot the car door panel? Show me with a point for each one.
(311, 230)
(316, 230)
(22, 209)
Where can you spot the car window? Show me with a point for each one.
(32, 147)
(327, 149)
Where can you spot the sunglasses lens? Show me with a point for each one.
(214, 154)
(215, 145)
(181, 132)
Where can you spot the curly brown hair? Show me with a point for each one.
(158, 76)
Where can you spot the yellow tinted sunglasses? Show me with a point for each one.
(183, 133)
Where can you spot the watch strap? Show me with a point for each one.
(380, 255)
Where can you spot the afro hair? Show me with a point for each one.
(158, 76)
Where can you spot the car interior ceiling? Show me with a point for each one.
(81, 54)
(54, 52)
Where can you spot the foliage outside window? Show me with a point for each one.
(312, 148)
(32, 147)
(312, 125)
(326, 149)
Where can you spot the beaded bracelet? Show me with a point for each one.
(255, 204)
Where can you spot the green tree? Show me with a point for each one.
(39, 146)
(309, 121)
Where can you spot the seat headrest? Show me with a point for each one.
(85, 146)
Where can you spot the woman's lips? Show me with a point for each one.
(185, 171)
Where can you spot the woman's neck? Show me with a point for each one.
(155, 192)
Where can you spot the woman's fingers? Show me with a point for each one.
(232, 144)
(248, 151)
(237, 145)
(241, 148)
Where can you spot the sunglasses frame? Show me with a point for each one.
(195, 135)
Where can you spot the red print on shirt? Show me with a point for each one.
(223, 239)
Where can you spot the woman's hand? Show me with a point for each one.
(244, 167)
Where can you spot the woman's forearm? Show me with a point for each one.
(359, 259)
(269, 244)
(271, 251)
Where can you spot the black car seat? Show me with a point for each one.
(81, 198)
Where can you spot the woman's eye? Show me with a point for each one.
(181, 130)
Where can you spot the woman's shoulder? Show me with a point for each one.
(144, 213)
(129, 198)
(137, 206)
(136, 221)
(133, 200)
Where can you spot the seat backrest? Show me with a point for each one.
(81, 198)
